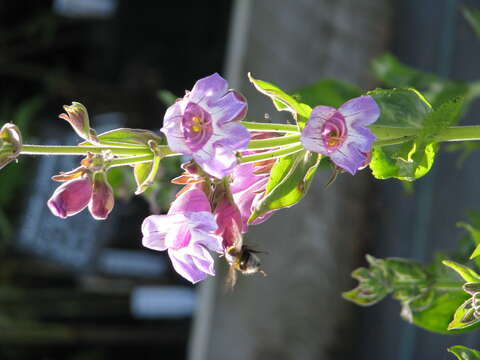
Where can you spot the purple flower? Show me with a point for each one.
(342, 134)
(204, 124)
(187, 232)
(81, 190)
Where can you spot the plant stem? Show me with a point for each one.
(80, 150)
(393, 141)
(273, 142)
(271, 155)
(454, 133)
(130, 160)
(270, 127)
(460, 133)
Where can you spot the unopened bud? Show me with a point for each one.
(10, 143)
(71, 197)
(102, 197)
(77, 116)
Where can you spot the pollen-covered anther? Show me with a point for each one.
(197, 124)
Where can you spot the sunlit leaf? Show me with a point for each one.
(289, 181)
(145, 174)
(464, 271)
(283, 101)
(464, 316)
(464, 353)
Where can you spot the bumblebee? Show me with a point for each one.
(243, 259)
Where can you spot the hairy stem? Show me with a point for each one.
(270, 127)
(81, 150)
(271, 155)
(454, 133)
(273, 142)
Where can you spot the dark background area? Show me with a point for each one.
(118, 63)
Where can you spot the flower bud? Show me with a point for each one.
(71, 197)
(102, 197)
(77, 116)
(10, 143)
(229, 221)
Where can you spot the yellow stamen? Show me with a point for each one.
(196, 124)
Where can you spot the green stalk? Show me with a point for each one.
(130, 160)
(80, 150)
(454, 133)
(273, 142)
(270, 127)
(271, 155)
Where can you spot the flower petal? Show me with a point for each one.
(362, 137)
(184, 266)
(193, 200)
(311, 137)
(155, 228)
(217, 160)
(173, 130)
(348, 157)
(362, 110)
(202, 259)
(232, 135)
(231, 107)
(201, 221)
(208, 89)
(71, 197)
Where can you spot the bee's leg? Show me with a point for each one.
(262, 272)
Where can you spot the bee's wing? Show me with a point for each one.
(231, 279)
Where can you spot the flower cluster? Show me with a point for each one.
(84, 186)
(221, 188)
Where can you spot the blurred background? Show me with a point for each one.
(80, 289)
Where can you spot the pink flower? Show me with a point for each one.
(229, 221)
(80, 191)
(342, 133)
(248, 188)
(187, 232)
(205, 124)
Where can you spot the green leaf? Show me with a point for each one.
(408, 108)
(282, 101)
(402, 161)
(473, 18)
(437, 315)
(465, 272)
(427, 294)
(289, 181)
(328, 92)
(442, 117)
(464, 317)
(464, 353)
(126, 137)
(401, 107)
(475, 234)
(145, 174)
